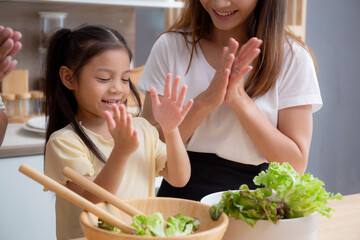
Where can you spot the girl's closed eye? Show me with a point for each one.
(103, 79)
(125, 80)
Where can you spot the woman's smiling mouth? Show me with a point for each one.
(224, 14)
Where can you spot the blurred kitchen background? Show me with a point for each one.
(332, 31)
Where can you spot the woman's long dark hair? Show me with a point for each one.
(74, 49)
(267, 22)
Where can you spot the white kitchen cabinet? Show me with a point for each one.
(27, 212)
(130, 3)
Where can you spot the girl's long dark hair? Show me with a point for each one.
(74, 49)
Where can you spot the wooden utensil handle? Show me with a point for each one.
(74, 198)
(99, 191)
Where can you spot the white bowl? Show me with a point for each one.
(304, 228)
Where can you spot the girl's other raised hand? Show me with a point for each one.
(170, 112)
(240, 67)
(121, 129)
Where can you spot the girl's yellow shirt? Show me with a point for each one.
(66, 149)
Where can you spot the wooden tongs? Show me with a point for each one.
(81, 202)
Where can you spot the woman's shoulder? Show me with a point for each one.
(171, 39)
(296, 49)
(168, 36)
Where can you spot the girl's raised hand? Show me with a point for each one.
(121, 129)
(170, 112)
(240, 67)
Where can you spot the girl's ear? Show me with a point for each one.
(66, 76)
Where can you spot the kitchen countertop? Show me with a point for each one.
(344, 222)
(21, 142)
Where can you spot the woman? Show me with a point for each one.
(239, 122)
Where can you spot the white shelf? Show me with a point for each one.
(130, 3)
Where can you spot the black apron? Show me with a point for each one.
(209, 174)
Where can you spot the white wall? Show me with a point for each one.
(333, 33)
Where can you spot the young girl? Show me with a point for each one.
(87, 84)
(239, 122)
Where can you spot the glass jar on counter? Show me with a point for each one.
(22, 104)
(49, 23)
(9, 102)
(37, 98)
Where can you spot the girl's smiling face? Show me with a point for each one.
(103, 81)
(229, 14)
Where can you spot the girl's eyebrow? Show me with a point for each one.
(103, 70)
(110, 71)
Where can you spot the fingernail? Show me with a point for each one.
(8, 59)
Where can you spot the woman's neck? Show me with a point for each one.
(221, 37)
(212, 47)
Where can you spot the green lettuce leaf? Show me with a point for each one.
(250, 206)
(180, 225)
(106, 226)
(152, 225)
(304, 195)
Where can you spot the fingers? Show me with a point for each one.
(168, 94)
(187, 107)
(174, 91)
(15, 49)
(242, 63)
(182, 95)
(250, 44)
(123, 116)
(6, 67)
(5, 48)
(16, 36)
(9, 46)
(167, 85)
(248, 52)
(110, 120)
(5, 33)
(128, 127)
(236, 77)
(154, 97)
(228, 58)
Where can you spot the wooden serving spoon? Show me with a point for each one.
(74, 198)
(100, 192)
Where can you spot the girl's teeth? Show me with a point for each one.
(224, 13)
(110, 102)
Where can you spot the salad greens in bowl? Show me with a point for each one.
(185, 219)
(284, 205)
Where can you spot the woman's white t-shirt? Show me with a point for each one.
(221, 132)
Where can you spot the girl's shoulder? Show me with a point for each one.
(65, 136)
(140, 122)
(65, 132)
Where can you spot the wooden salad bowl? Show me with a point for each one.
(208, 230)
